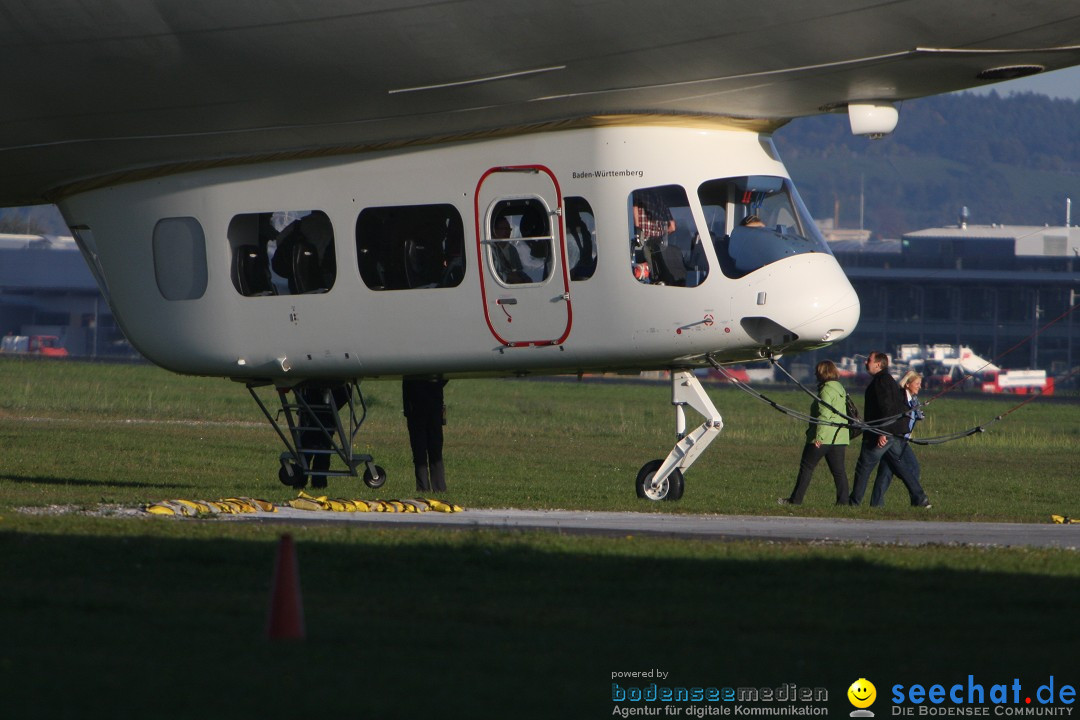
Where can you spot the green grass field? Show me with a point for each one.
(87, 434)
(154, 617)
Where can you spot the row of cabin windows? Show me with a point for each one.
(398, 248)
(423, 246)
(405, 247)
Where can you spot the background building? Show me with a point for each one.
(47, 289)
(991, 287)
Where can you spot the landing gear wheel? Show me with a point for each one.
(670, 489)
(377, 480)
(292, 474)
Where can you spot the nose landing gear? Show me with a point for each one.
(663, 479)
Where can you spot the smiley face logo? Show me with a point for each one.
(862, 693)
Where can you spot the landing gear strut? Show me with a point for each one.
(663, 479)
(316, 433)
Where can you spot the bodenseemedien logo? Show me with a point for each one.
(711, 700)
(862, 694)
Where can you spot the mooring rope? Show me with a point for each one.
(878, 425)
(873, 426)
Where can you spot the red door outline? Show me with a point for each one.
(560, 237)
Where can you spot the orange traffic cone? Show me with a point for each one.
(286, 621)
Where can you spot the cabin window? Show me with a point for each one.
(580, 238)
(665, 246)
(180, 258)
(519, 241)
(282, 253)
(410, 246)
(756, 220)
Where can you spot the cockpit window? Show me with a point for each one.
(665, 246)
(757, 220)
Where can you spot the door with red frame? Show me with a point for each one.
(522, 249)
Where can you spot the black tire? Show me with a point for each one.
(677, 484)
(671, 489)
(292, 475)
(645, 475)
(376, 481)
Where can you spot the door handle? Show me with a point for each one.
(502, 303)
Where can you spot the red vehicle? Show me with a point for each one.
(1020, 382)
(45, 345)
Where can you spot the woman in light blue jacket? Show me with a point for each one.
(827, 437)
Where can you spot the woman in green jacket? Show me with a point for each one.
(824, 439)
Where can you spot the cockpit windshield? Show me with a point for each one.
(756, 220)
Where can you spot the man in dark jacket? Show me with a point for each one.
(884, 400)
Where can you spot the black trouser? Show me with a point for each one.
(811, 456)
(317, 440)
(426, 439)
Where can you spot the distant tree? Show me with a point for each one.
(1009, 159)
(32, 220)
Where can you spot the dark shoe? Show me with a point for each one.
(786, 501)
(318, 482)
(924, 504)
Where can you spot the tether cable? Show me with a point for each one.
(873, 426)
(877, 426)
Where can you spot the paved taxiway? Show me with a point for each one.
(712, 527)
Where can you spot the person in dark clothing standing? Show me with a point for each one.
(884, 400)
(320, 418)
(422, 400)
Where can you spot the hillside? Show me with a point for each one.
(1009, 160)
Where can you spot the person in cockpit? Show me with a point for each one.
(653, 224)
(652, 217)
